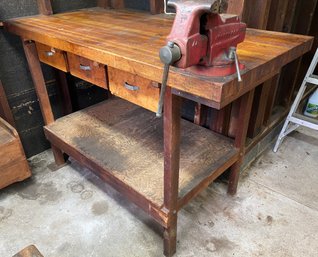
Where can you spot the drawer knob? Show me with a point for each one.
(131, 87)
(85, 67)
(49, 53)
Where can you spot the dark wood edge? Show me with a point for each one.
(148, 206)
(197, 99)
(228, 161)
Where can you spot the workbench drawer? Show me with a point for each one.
(87, 70)
(52, 56)
(133, 88)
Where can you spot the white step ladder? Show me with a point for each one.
(294, 120)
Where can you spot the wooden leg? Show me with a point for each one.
(40, 88)
(220, 120)
(240, 138)
(58, 156)
(200, 115)
(170, 237)
(172, 117)
(64, 92)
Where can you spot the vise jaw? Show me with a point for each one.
(205, 37)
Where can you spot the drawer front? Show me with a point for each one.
(135, 89)
(52, 56)
(88, 70)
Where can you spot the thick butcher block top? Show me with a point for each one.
(130, 41)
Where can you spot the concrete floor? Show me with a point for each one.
(71, 213)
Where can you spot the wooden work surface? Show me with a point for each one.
(127, 142)
(130, 41)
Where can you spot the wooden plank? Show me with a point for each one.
(267, 92)
(13, 164)
(234, 118)
(38, 80)
(259, 108)
(156, 6)
(172, 117)
(64, 92)
(135, 50)
(256, 19)
(277, 14)
(306, 10)
(220, 120)
(269, 105)
(30, 251)
(45, 7)
(288, 77)
(103, 3)
(116, 4)
(240, 139)
(236, 7)
(5, 110)
(290, 16)
(293, 74)
(200, 114)
(124, 130)
(40, 88)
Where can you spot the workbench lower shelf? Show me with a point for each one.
(123, 144)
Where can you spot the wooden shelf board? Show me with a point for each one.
(126, 141)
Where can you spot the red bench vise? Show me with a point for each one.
(202, 41)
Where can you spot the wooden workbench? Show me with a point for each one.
(160, 165)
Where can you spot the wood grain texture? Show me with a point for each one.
(172, 131)
(135, 89)
(5, 110)
(133, 47)
(96, 73)
(63, 87)
(13, 164)
(246, 102)
(126, 141)
(45, 7)
(236, 7)
(117, 4)
(103, 3)
(156, 6)
(41, 91)
(261, 98)
(38, 80)
(256, 13)
(30, 251)
(53, 57)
